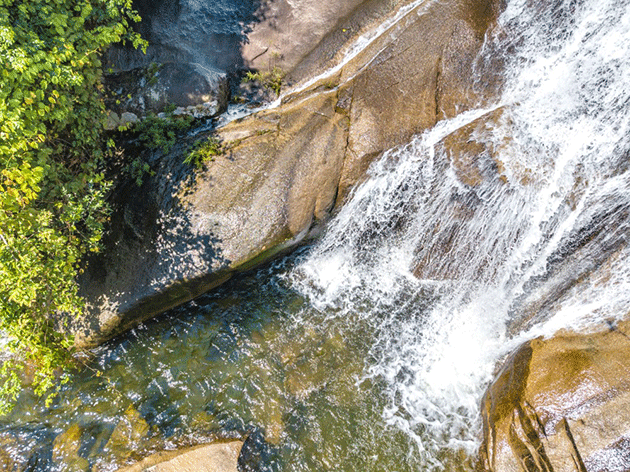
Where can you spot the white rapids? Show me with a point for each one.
(448, 272)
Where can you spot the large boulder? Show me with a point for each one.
(561, 404)
(285, 171)
(292, 33)
(208, 33)
(236, 34)
(155, 87)
(213, 457)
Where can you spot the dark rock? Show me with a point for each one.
(208, 33)
(155, 87)
(561, 405)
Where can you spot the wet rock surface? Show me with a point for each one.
(209, 33)
(561, 404)
(155, 87)
(215, 457)
(284, 172)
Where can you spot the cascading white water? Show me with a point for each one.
(455, 260)
(504, 223)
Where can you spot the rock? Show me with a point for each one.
(288, 30)
(214, 457)
(235, 34)
(208, 33)
(114, 121)
(128, 117)
(127, 435)
(470, 152)
(285, 171)
(416, 76)
(561, 404)
(155, 87)
(67, 444)
(16, 456)
(8, 463)
(589, 256)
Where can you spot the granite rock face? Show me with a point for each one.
(286, 169)
(561, 404)
(214, 457)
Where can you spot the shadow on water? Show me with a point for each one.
(209, 33)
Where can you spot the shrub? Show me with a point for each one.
(52, 191)
(161, 133)
(271, 80)
(204, 152)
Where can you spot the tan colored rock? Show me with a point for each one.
(561, 404)
(67, 443)
(290, 29)
(215, 457)
(66, 451)
(286, 170)
(8, 463)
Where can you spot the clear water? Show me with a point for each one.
(370, 351)
(240, 360)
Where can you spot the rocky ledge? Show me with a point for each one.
(561, 404)
(285, 171)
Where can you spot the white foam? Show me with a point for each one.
(561, 143)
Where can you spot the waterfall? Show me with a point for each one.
(371, 349)
(502, 224)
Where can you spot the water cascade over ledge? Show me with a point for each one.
(463, 251)
(371, 349)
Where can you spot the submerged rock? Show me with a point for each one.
(66, 450)
(8, 459)
(127, 436)
(214, 457)
(561, 404)
(283, 170)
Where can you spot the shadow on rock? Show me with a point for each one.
(154, 256)
(208, 33)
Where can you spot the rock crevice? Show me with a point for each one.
(559, 405)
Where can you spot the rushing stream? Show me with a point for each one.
(370, 350)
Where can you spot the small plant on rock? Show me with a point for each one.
(161, 133)
(204, 152)
(271, 80)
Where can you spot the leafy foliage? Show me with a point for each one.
(204, 152)
(271, 80)
(155, 133)
(161, 133)
(52, 193)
